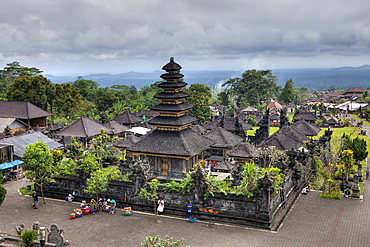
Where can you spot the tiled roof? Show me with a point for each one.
(20, 142)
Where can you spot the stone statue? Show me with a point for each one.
(55, 236)
(19, 229)
(36, 229)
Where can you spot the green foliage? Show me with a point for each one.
(104, 149)
(252, 121)
(28, 237)
(184, 186)
(347, 161)
(161, 242)
(14, 71)
(66, 100)
(253, 88)
(37, 90)
(317, 163)
(357, 145)
(151, 192)
(288, 94)
(200, 96)
(336, 195)
(2, 194)
(40, 163)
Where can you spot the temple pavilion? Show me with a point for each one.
(173, 147)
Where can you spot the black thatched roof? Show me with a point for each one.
(229, 124)
(223, 138)
(83, 127)
(332, 120)
(223, 166)
(174, 108)
(127, 142)
(55, 127)
(146, 125)
(113, 127)
(305, 115)
(242, 150)
(172, 66)
(284, 139)
(165, 95)
(305, 128)
(184, 143)
(141, 113)
(127, 118)
(21, 109)
(172, 121)
(198, 128)
(172, 84)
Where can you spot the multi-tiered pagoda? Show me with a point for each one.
(172, 147)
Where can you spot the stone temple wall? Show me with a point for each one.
(259, 211)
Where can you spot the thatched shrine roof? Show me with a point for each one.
(223, 138)
(242, 150)
(127, 142)
(174, 107)
(21, 109)
(184, 143)
(83, 127)
(305, 128)
(305, 115)
(147, 113)
(332, 120)
(284, 139)
(229, 124)
(114, 127)
(127, 118)
(198, 128)
(172, 121)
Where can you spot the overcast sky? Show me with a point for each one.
(116, 36)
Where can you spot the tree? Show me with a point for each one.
(37, 90)
(288, 94)
(85, 87)
(199, 97)
(302, 95)
(66, 100)
(224, 98)
(40, 165)
(14, 71)
(2, 194)
(255, 87)
(151, 193)
(357, 145)
(348, 162)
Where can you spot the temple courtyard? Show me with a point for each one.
(312, 221)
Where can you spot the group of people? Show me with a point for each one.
(107, 205)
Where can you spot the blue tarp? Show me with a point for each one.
(10, 164)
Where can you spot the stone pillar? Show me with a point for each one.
(356, 187)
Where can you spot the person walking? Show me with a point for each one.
(35, 200)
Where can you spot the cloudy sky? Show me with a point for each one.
(64, 37)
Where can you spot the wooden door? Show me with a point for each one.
(164, 167)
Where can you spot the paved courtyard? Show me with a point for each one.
(311, 222)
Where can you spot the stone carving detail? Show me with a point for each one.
(55, 236)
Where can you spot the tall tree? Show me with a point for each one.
(200, 95)
(288, 95)
(40, 164)
(255, 87)
(66, 100)
(37, 90)
(14, 71)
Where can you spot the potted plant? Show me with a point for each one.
(28, 238)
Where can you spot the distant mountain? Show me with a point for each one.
(314, 79)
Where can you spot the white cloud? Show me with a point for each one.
(234, 33)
